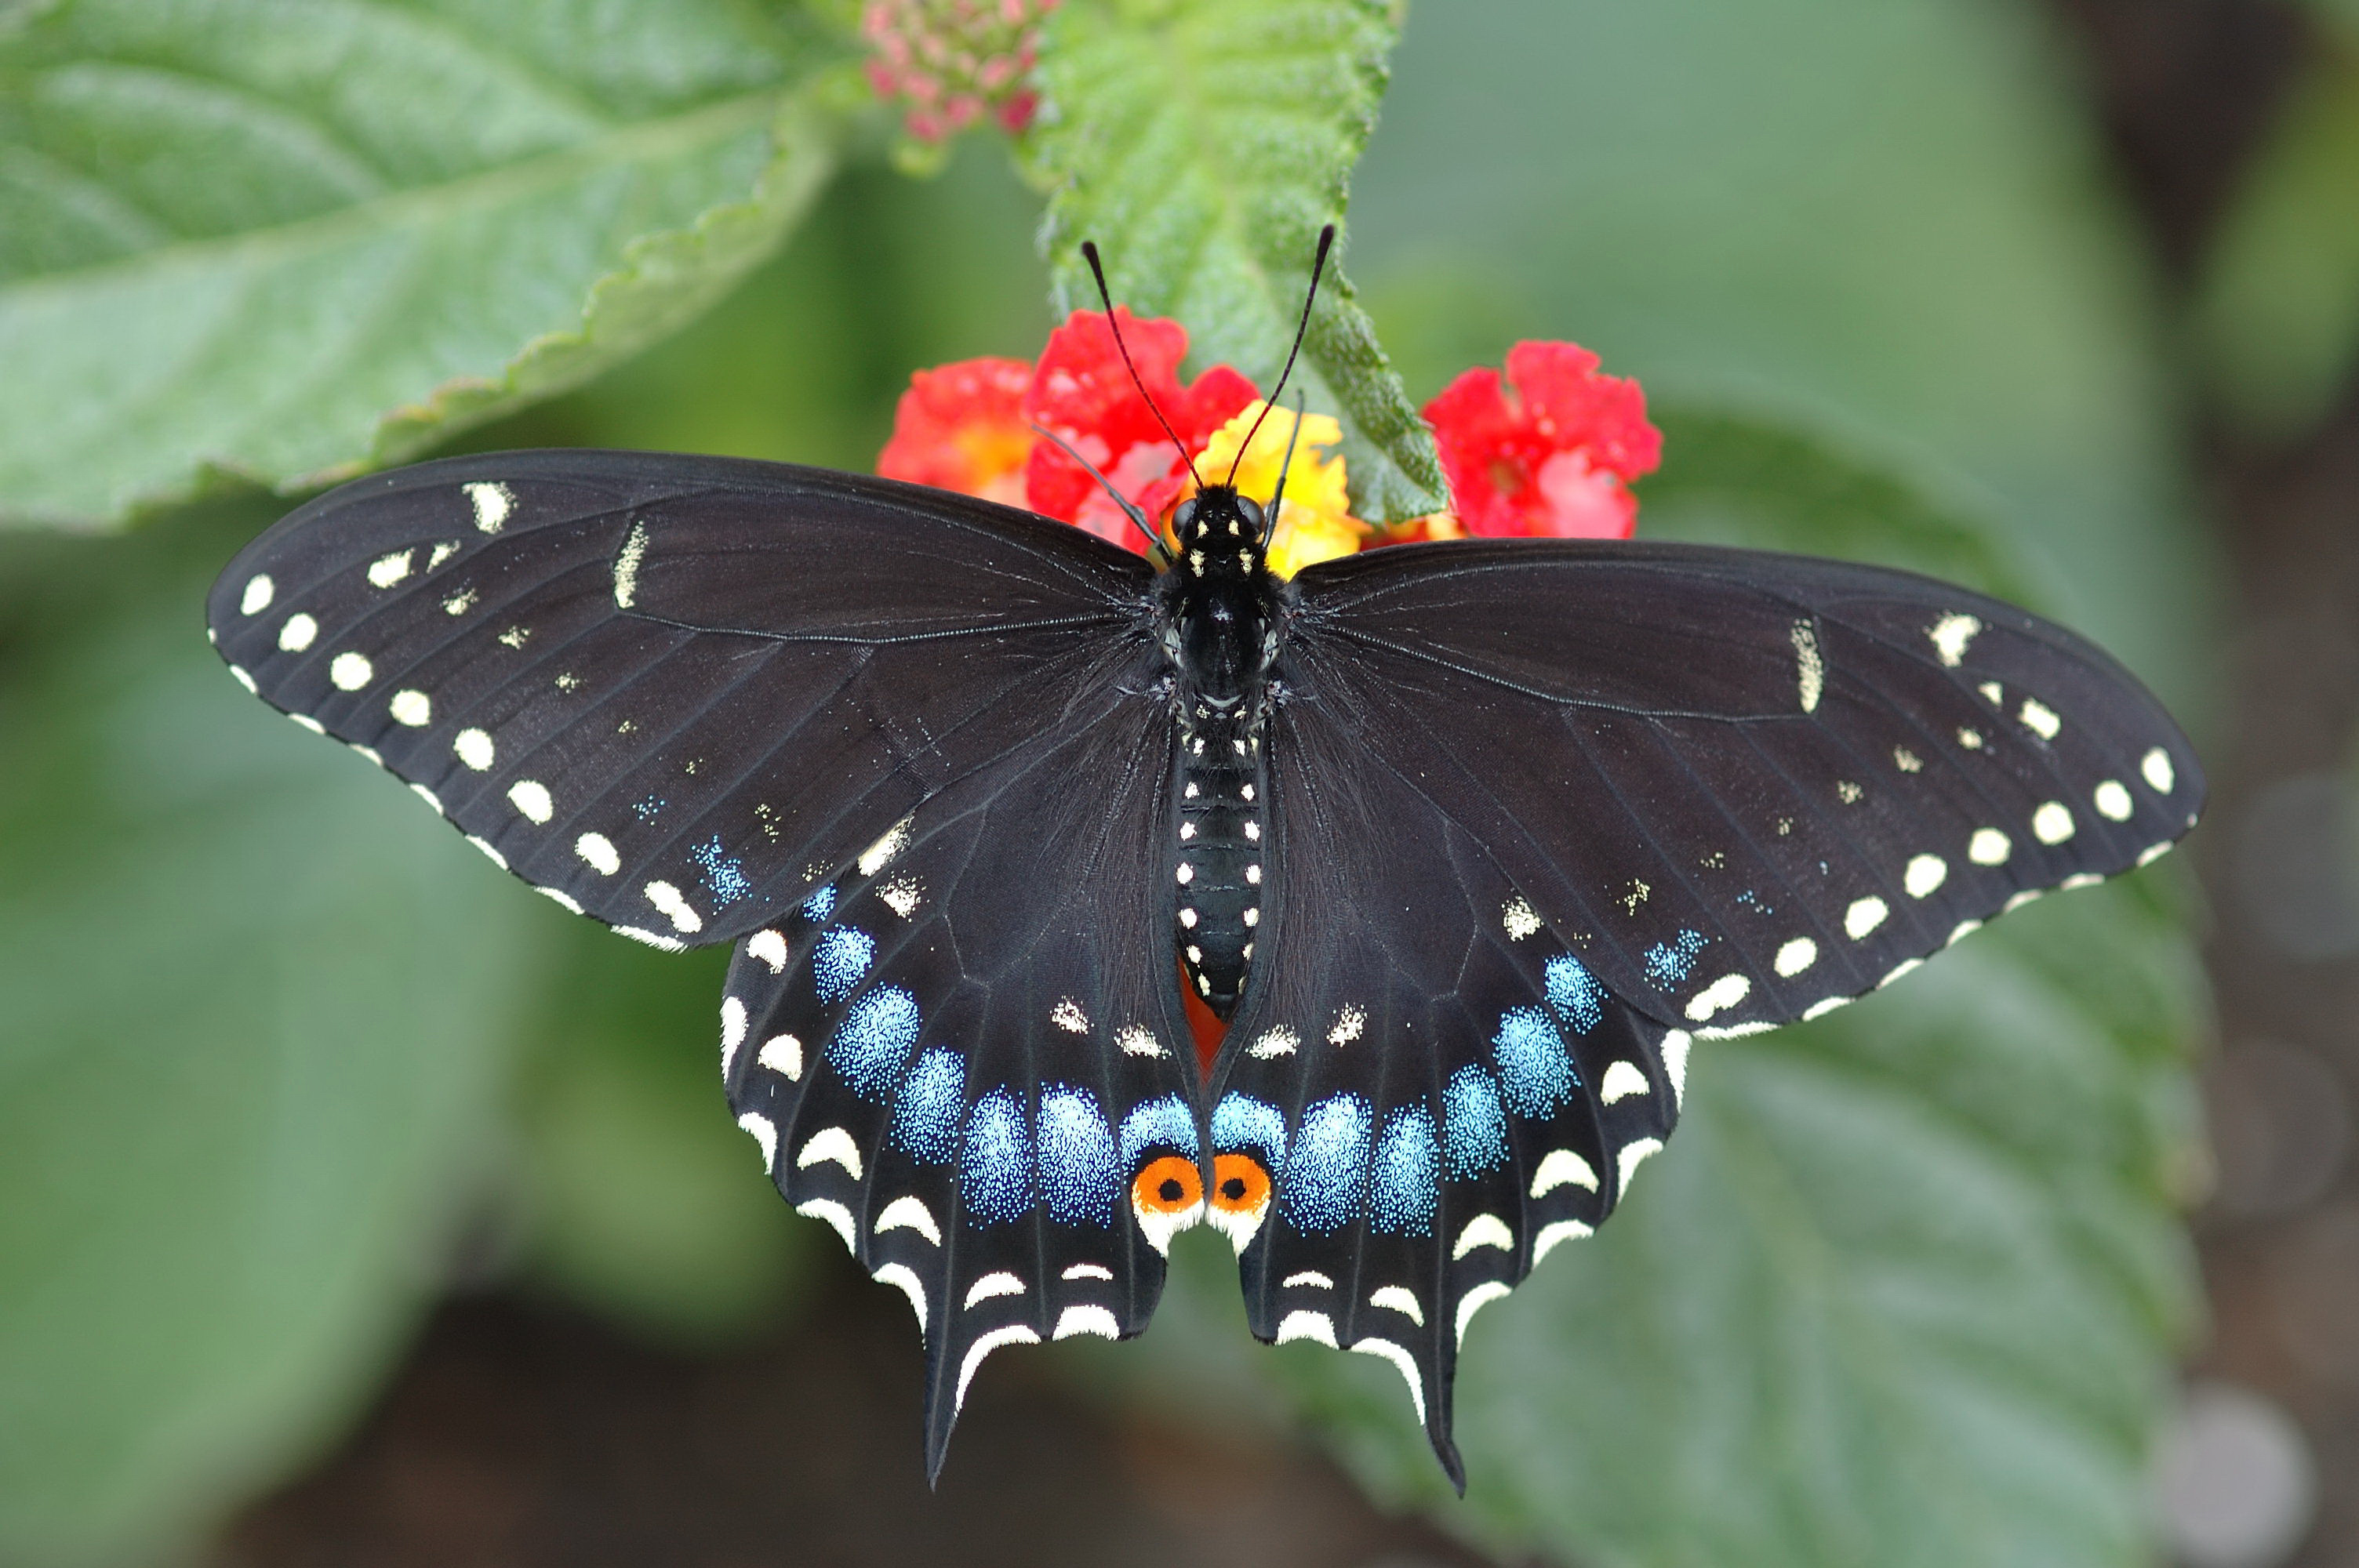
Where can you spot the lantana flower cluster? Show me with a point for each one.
(1550, 450)
(953, 61)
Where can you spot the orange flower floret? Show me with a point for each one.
(962, 426)
(1552, 457)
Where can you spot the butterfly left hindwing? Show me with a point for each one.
(966, 1052)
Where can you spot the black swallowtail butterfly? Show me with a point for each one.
(1468, 842)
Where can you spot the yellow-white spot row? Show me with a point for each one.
(733, 1033)
(1087, 1317)
(1310, 1278)
(1278, 1042)
(2154, 766)
(2039, 719)
(1306, 1325)
(1137, 1040)
(595, 849)
(902, 895)
(998, 1283)
(531, 797)
(910, 1213)
(875, 857)
(350, 671)
(474, 748)
(1563, 1168)
(782, 1054)
(1068, 1016)
(1863, 916)
(493, 503)
(489, 853)
(1718, 996)
(561, 899)
(259, 591)
(1474, 1300)
(1349, 1023)
(1403, 1362)
(1395, 1298)
(1952, 635)
(1014, 1334)
(422, 793)
(1550, 1235)
(460, 602)
(653, 939)
(443, 551)
(1632, 1155)
(1820, 1009)
(1989, 847)
(386, 570)
(1907, 967)
(755, 1123)
(1796, 955)
(1924, 875)
(1484, 1230)
(770, 946)
(1520, 919)
(298, 634)
(2113, 802)
(2153, 852)
(1810, 667)
(411, 706)
(1676, 1044)
(830, 1146)
(1972, 739)
(838, 1217)
(904, 1279)
(2052, 823)
(237, 674)
(1088, 1272)
(675, 908)
(1623, 1081)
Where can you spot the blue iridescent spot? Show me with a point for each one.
(995, 1171)
(1329, 1166)
(1535, 1071)
(842, 956)
(1575, 992)
(821, 904)
(1406, 1175)
(1668, 965)
(1241, 1121)
(647, 810)
(1474, 1125)
(723, 872)
(926, 1117)
(1077, 1168)
(1164, 1123)
(874, 1040)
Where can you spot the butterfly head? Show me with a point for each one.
(1221, 533)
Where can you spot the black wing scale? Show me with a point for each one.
(1538, 817)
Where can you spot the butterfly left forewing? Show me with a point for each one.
(961, 1053)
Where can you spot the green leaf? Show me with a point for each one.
(1201, 146)
(288, 242)
(258, 1007)
(2278, 309)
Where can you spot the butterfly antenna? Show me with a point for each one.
(1317, 265)
(1097, 270)
(1137, 518)
(1277, 495)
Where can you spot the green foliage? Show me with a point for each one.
(259, 1007)
(1201, 147)
(287, 242)
(2280, 292)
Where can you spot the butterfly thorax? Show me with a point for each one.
(1221, 604)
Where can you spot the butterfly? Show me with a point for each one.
(1467, 843)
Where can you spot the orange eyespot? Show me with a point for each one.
(1240, 1185)
(1171, 1184)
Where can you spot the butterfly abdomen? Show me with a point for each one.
(1220, 860)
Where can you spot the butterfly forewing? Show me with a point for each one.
(673, 692)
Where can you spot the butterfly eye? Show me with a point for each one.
(1184, 516)
(1171, 1184)
(1240, 1184)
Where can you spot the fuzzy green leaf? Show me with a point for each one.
(258, 1007)
(286, 241)
(1201, 146)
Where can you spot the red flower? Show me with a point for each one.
(1555, 457)
(1082, 392)
(962, 426)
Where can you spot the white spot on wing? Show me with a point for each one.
(675, 908)
(1068, 1016)
(1088, 1272)
(1675, 1062)
(386, 570)
(1622, 1081)
(910, 1213)
(653, 939)
(1278, 1042)
(563, 900)
(489, 853)
(875, 857)
(1307, 1324)
(259, 591)
(1563, 1168)
(1085, 1317)
(903, 1278)
(493, 503)
(2039, 719)
(1349, 1023)
(2052, 823)
(1810, 668)
(754, 1122)
(1951, 635)
(1520, 919)
(595, 848)
(298, 634)
(2156, 768)
(1014, 1334)
(1635, 1154)
(2153, 852)
(902, 894)
(1401, 1359)
(244, 679)
(1484, 1230)
(1988, 847)
(350, 671)
(1474, 1300)
(1137, 1040)
(419, 790)
(1796, 955)
(770, 946)
(1394, 1298)
(1719, 997)
(830, 1145)
(531, 797)
(1550, 1235)
(2112, 801)
(474, 748)
(1924, 875)
(733, 1032)
(783, 1054)
(411, 706)
(1311, 1278)
(1863, 916)
(839, 1218)
(1820, 1009)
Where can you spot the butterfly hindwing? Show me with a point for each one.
(1432, 1091)
(670, 691)
(963, 1052)
(1746, 787)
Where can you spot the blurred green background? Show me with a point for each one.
(283, 1064)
